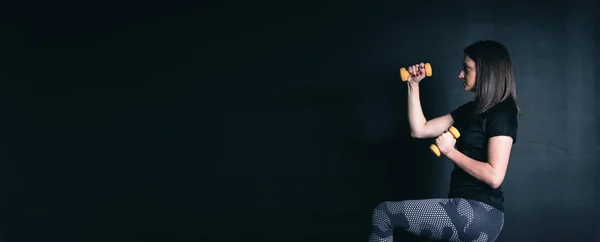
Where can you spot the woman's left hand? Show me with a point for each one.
(445, 142)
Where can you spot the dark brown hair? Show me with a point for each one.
(495, 79)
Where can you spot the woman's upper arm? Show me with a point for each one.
(499, 148)
(502, 129)
(435, 127)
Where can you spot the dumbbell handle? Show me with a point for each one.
(454, 133)
(404, 74)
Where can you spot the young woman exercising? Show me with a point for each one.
(474, 209)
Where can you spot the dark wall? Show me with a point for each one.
(235, 121)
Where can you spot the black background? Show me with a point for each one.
(277, 120)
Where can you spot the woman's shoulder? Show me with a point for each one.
(503, 112)
(506, 107)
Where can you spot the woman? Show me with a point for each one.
(488, 125)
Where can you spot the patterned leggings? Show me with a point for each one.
(447, 219)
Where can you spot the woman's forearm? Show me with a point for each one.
(480, 170)
(416, 118)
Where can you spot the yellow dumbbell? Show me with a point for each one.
(404, 73)
(454, 133)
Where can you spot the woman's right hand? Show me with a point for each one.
(417, 73)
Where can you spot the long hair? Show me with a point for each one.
(495, 79)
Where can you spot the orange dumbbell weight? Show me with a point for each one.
(404, 73)
(454, 133)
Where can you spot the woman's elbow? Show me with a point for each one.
(495, 185)
(495, 182)
(417, 135)
(414, 135)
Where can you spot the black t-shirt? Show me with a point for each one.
(475, 130)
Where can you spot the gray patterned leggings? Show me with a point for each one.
(447, 219)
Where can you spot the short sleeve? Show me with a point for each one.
(462, 111)
(503, 121)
